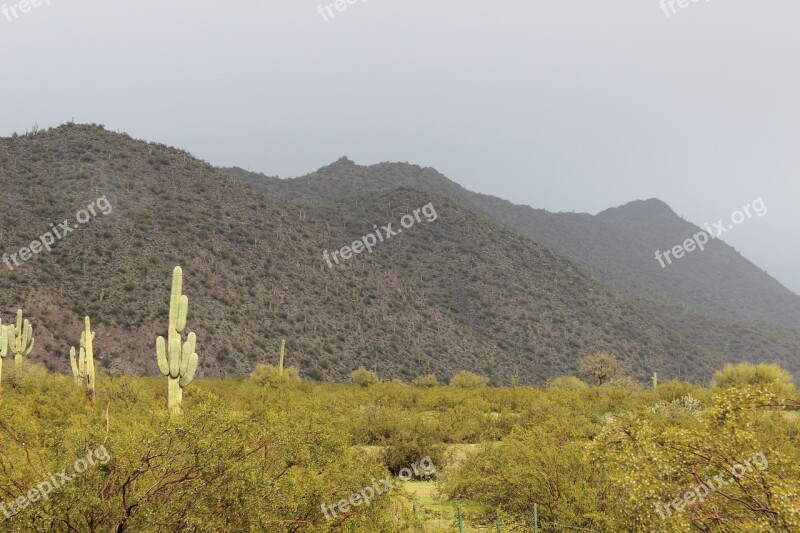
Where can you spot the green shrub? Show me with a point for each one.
(567, 382)
(744, 374)
(425, 381)
(363, 377)
(468, 380)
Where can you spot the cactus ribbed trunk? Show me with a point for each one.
(4, 343)
(283, 349)
(175, 395)
(90, 393)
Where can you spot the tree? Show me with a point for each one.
(601, 367)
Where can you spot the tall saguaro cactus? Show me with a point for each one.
(178, 363)
(21, 341)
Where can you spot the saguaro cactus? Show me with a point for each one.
(655, 381)
(83, 365)
(3, 347)
(87, 352)
(178, 364)
(21, 341)
(283, 351)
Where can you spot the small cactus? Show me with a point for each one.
(178, 364)
(655, 381)
(4, 333)
(21, 341)
(283, 351)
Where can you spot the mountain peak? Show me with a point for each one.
(637, 209)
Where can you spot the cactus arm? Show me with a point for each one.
(186, 354)
(190, 371)
(74, 364)
(183, 313)
(161, 355)
(82, 357)
(28, 338)
(3, 339)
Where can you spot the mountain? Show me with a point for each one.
(715, 299)
(458, 292)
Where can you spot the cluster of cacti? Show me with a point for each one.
(21, 341)
(176, 359)
(178, 363)
(83, 365)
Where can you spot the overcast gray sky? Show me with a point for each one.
(569, 105)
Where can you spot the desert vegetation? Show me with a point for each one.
(268, 451)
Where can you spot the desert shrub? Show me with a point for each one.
(425, 381)
(743, 374)
(363, 377)
(468, 380)
(270, 375)
(567, 382)
(414, 438)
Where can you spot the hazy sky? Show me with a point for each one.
(562, 104)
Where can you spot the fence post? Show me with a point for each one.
(497, 520)
(535, 518)
(460, 522)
